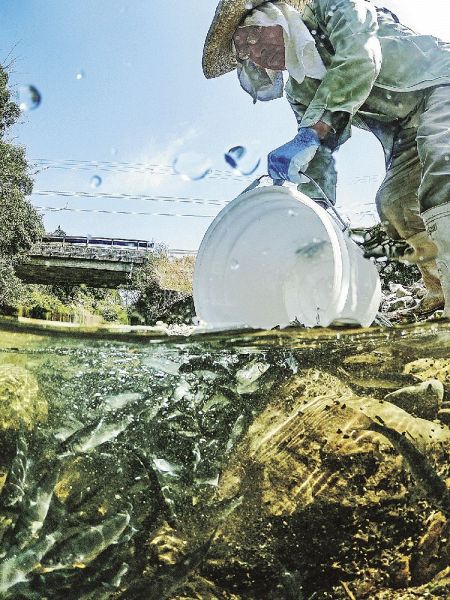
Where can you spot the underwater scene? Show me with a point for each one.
(285, 464)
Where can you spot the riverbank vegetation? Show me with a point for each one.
(161, 290)
(20, 223)
(152, 292)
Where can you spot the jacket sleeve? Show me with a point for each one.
(351, 26)
(322, 168)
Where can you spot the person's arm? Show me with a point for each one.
(322, 167)
(351, 26)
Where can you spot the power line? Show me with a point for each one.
(171, 199)
(126, 167)
(117, 212)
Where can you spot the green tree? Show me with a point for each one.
(20, 223)
(163, 287)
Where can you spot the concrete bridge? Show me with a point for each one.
(72, 260)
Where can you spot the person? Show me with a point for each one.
(350, 63)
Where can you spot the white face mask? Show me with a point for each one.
(262, 84)
(302, 58)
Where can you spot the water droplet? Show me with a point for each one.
(192, 166)
(313, 31)
(80, 74)
(96, 181)
(29, 97)
(447, 158)
(242, 160)
(234, 155)
(389, 96)
(234, 265)
(292, 213)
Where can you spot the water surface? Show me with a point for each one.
(240, 464)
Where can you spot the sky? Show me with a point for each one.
(126, 117)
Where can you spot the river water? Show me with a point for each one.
(229, 465)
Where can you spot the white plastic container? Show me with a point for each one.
(273, 255)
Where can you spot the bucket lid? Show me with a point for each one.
(271, 256)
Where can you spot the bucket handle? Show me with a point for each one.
(345, 225)
(330, 205)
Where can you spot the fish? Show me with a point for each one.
(216, 400)
(166, 468)
(161, 364)
(117, 578)
(15, 568)
(248, 376)
(71, 425)
(95, 434)
(36, 508)
(421, 469)
(197, 457)
(236, 432)
(312, 249)
(181, 391)
(169, 577)
(80, 548)
(164, 503)
(14, 488)
(119, 401)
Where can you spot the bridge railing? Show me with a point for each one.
(49, 249)
(89, 241)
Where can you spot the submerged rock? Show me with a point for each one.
(21, 404)
(430, 368)
(421, 400)
(323, 496)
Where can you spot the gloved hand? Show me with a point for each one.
(285, 163)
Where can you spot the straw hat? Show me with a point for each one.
(218, 55)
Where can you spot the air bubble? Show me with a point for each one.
(80, 74)
(234, 265)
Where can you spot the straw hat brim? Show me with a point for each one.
(218, 55)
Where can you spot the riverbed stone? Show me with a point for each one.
(21, 403)
(432, 553)
(430, 368)
(422, 400)
(323, 496)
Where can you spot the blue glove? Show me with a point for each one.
(286, 162)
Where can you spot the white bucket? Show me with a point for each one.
(273, 255)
